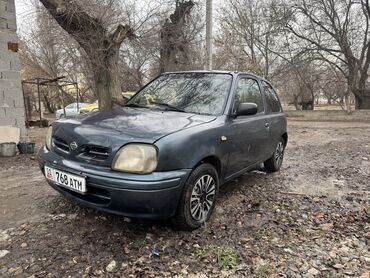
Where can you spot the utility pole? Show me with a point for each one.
(209, 34)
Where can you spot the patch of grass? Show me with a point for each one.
(263, 271)
(206, 229)
(227, 257)
(300, 230)
(271, 206)
(203, 251)
(292, 206)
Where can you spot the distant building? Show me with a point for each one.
(11, 98)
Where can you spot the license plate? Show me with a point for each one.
(72, 182)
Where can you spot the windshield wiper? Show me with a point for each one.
(169, 106)
(135, 105)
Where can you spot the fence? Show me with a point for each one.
(328, 115)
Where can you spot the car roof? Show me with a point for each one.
(75, 103)
(234, 73)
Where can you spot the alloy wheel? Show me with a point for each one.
(279, 155)
(202, 198)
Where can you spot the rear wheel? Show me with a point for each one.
(198, 199)
(274, 163)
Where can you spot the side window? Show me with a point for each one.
(247, 90)
(272, 100)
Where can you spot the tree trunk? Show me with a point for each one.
(106, 77)
(103, 88)
(173, 52)
(347, 102)
(47, 104)
(295, 102)
(101, 46)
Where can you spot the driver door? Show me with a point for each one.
(248, 135)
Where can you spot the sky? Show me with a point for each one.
(26, 14)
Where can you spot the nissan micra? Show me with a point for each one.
(167, 158)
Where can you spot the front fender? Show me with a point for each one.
(186, 148)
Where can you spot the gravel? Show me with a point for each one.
(311, 219)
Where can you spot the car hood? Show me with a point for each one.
(114, 128)
(89, 106)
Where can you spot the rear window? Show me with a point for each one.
(272, 100)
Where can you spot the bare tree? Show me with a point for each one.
(333, 86)
(101, 45)
(136, 59)
(298, 80)
(338, 32)
(45, 52)
(247, 34)
(174, 52)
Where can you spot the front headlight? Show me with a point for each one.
(136, 158)
(48, 138)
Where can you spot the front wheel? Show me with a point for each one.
(198, 199)
(274, 163)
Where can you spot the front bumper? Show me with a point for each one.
(152, 196)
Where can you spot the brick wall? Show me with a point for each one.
(11, 97)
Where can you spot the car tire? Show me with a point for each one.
(198, 198)
(274, 163)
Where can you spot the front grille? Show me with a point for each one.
(95, 152)
(60, 144)
(95, 195)
(87, 152)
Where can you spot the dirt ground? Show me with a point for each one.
(311, 219)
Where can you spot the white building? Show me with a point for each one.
(11, 98)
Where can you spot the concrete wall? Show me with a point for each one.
(11, 98)
(329, 115)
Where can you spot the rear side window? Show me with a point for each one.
(248, 90)
(272, 100)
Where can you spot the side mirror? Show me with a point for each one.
(246, 109)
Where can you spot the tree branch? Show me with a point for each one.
(121, 33)
(71, 17)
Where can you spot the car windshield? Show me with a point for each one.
(200, 93)
(72, 105)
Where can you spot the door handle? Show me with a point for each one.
(267, 125)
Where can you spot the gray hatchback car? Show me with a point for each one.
(166, 153)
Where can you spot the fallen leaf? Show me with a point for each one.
(326, 226)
